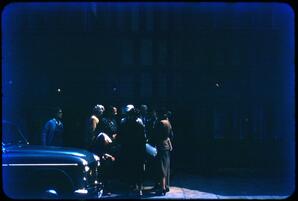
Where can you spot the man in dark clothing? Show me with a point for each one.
(144, 117)
(151, 122)
(110, 127)
(109, 123)
(53, 130)
(132, 139)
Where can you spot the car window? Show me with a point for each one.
(12, 135)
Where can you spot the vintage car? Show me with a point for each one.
(33, 171)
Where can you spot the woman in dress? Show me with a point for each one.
(163, 130)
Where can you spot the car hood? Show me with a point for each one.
(37, 154)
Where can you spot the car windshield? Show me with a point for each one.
(11, 134)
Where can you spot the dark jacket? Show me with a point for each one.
(52, 133)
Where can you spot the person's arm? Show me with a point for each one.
(93, 124)
(106, 156)
(171, 134)
(170, 144)
(60, 137)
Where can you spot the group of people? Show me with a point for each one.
(120, 141)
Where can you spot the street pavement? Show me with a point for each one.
(189, 186)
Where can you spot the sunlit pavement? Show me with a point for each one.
(212, 187)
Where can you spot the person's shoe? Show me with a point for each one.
(167, 189)
(164, 192)
(161, 192)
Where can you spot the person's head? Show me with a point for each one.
(111, 111)
(58, 113)
(154, 114)
(98, 110)
(130, 111)
(125, 110)
(162, 114)
(137, 111)
(129, 107)
(115, 111)
(143, 109)
(169, 114)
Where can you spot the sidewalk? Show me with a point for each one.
(186, 186)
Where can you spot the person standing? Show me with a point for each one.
(110, 127)
(109, 122)
(132, 139)
(102, 147)
(163, 130)
(151, 123)
(144, 116)
(93, 125)
(151, 161)
(53, 130)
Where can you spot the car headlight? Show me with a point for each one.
(96, 157)
(87, 168)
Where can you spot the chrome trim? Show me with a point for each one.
(96, 157)
(84, 161)
(81, 191)
(51, 191)
(41, 164)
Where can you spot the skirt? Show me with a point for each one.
(163, 163)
